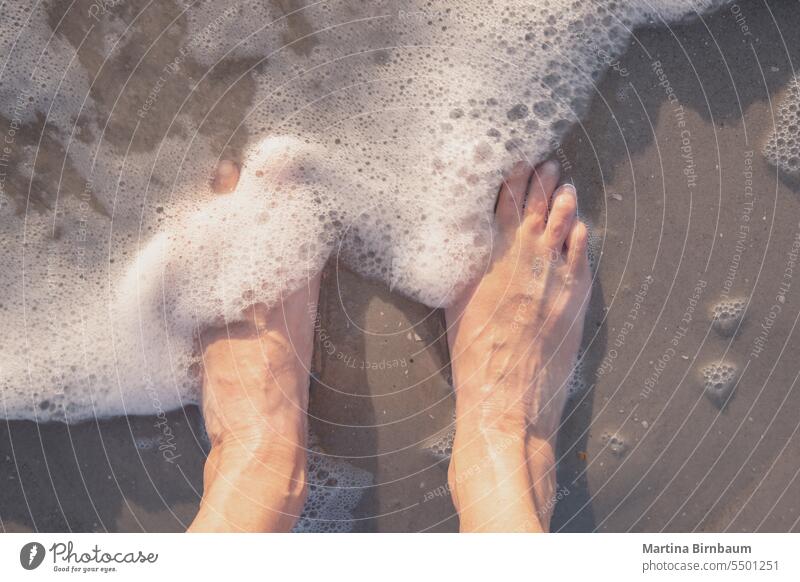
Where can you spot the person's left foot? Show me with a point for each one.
(513, 339)
(519, 328)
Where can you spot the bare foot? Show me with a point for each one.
(513, 339)
(255, 394)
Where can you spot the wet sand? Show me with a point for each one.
(643, 448)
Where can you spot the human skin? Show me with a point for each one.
(513, 337)
(255, 394)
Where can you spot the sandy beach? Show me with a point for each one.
(686, 213)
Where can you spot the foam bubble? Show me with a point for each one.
(334, 489)
(577, 385)
(782, 148)
(719, 381)
(440, 445)
(726, 315)
(615, 443)
(594, 245)
(39, 74)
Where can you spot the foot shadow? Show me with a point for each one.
(379, 392)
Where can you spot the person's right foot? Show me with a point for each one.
(513, 339)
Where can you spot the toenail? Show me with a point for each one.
(565, 191)
(226, 168)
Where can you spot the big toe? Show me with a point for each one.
(562, 216)
(225, 177)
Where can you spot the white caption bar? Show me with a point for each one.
(356, 557)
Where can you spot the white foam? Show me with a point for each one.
(719, 381)
(440, 445)
(577, 384)
(40, 66)
(615, 443)
(782, 148)
(381, 136)
(727, 315)
(335, 488)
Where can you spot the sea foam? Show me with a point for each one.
(378, 132)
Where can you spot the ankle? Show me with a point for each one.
(488, 454)
(506, 461)
(278, 441)
(493, 409)
(269, 475)
(490, 483)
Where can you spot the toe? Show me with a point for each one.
(512, 195)
(539, 193)
(562, 216)
(577, 246)
(226, 177)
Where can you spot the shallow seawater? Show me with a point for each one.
(377, 134)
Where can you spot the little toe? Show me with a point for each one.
(562, 215)
(577, 246)
(541, 188)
